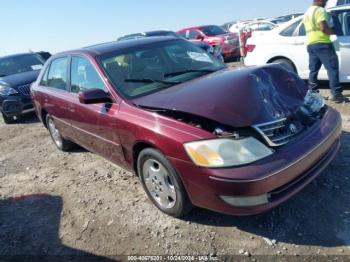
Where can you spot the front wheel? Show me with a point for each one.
(60, 142)
(161, 183)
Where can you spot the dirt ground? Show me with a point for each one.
(80, 204)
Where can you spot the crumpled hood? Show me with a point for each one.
(234, 97)
(21, 78)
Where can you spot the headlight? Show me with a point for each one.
(226, 152)
(6, 90)
(313, 102)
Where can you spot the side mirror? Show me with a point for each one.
(94, 96)
(199, 37)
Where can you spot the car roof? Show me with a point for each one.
(196, 27)
(20, 54)
(110, 47)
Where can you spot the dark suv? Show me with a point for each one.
(17, 72)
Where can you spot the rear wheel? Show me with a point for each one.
(161, 183)
(286, 63)
(57, 138)
(8, 119)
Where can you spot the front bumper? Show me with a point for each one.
(280, 175)
(16, 105)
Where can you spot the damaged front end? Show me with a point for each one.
(282, 131)
(249, 112)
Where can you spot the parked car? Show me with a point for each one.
(284, 18)
(228, 25)
(214, 50)
(194, 131)
(44, 55)
(252, 26)
(17, 72)
(287, 45)
(214, 35)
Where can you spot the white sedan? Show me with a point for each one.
(287, 45)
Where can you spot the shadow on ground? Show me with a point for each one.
(29, 118)
(29, 231)
(317, 216)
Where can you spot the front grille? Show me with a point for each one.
(24, 90)
(279, 132)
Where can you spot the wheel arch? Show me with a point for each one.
(43, 114)
(136, 150)
(275, 58)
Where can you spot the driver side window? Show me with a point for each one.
(84, 76)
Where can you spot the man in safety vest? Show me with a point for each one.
(321, 50)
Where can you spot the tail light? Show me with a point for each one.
(250, 48)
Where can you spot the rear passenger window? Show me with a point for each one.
(57, 76)
(289, 31)
(84, 76)
(301, 30)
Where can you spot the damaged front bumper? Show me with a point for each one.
(263, 185)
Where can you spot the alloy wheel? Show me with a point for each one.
(159, 183)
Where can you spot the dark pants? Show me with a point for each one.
(324, 54)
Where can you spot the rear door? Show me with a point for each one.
(94, 125)
(53, 91)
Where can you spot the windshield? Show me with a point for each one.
(213, 30)
(150, 69)
(19, 64)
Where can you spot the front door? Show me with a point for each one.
(94, 125)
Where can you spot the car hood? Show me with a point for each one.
(21, 78)
(234, 97)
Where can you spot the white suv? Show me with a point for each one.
(287, 45)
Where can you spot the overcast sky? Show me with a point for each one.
(55, 26)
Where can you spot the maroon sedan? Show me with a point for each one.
(195, 132)
(215, 36)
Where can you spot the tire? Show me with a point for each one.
(61, 143)
(162, 184)
(286, 63)
(8, 119)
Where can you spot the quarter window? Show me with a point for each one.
(57, 76)
(84, 76)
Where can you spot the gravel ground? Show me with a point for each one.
(80, 204)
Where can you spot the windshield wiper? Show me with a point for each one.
(190, 71)
(150, 80)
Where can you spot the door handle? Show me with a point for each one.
(299, 43)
